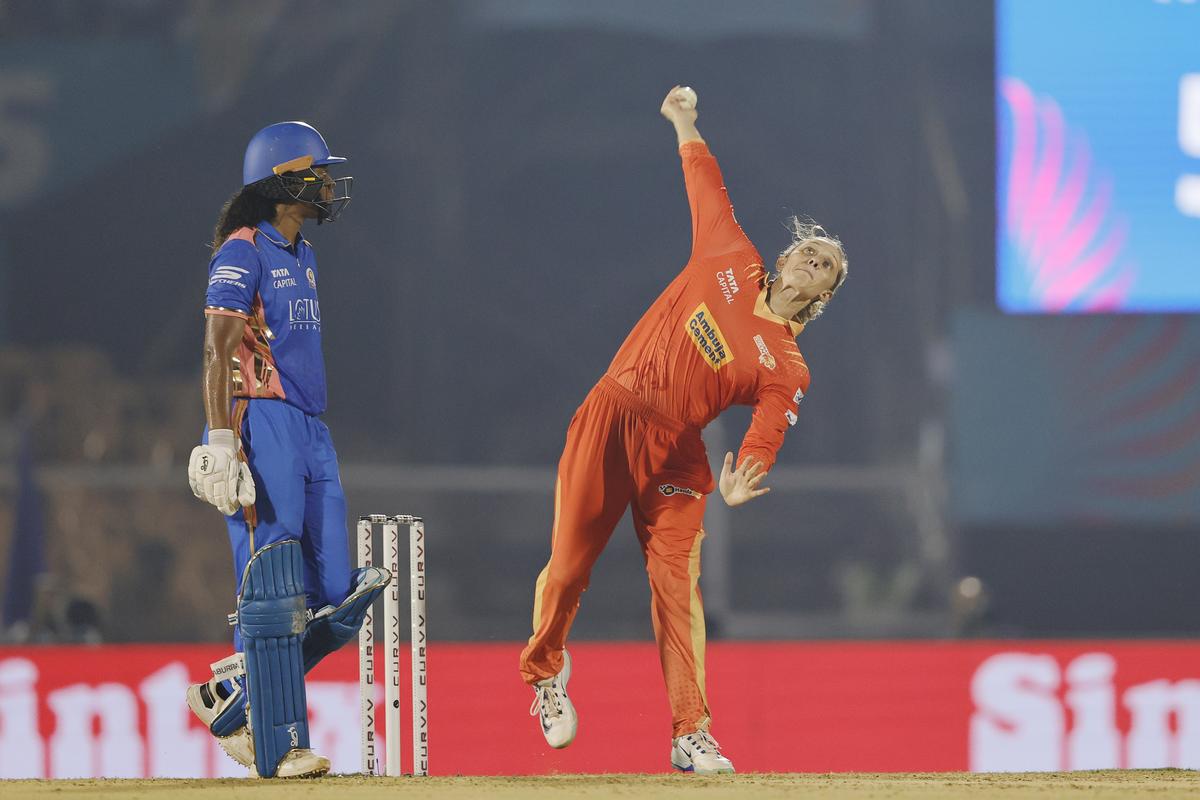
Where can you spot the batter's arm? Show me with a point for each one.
(222, 335)
(215, 473)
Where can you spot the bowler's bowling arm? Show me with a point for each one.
(680, 116)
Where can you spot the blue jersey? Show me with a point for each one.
(271, 284)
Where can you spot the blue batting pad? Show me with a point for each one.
(323, 635)
(271, 619)
(329, 631)
(234, 715)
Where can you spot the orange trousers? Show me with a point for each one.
(622, 452)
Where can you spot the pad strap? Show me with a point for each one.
(229, 668)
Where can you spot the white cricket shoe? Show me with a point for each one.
(553, 707)
(207, 703)
(300, 762)
(699, 752)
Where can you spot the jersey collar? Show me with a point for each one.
(761, 309)
(271, 233)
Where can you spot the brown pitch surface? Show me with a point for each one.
(1125, 784)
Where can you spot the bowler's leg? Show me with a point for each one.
(590, 495)
(668, 514)
(670, 540)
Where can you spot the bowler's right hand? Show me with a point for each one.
(674, 110)
(217, 476)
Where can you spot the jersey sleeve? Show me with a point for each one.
(714, 228)
(774, 412)
(233, 276)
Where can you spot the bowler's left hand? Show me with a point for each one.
(741, 485)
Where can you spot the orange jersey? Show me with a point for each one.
(709, 341)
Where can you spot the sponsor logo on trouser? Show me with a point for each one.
(668, 489)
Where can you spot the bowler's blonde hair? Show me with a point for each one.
(804, 229)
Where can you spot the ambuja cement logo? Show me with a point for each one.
(1032, 715)
(95, 730)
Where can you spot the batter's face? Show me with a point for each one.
(325, 194)
(810, 269)
(326, 183)
(307, 210)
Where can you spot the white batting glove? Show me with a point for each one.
(217, 477)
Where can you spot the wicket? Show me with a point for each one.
(366, 646)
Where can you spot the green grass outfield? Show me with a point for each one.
(1125, 784)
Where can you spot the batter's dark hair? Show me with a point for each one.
(245, 209)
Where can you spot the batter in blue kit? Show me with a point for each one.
(267, 461)
(287, 446)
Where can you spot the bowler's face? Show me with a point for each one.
(811, 267)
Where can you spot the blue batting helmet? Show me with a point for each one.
(285, 147)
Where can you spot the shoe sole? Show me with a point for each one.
(694, 771)
(691, 768)
(196, 704)
(317, 773)
(319, 767)
(566, 679)
(231, 748)
(575, 732)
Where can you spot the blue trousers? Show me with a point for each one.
(299, 496)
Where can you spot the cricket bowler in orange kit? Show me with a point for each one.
(722, 333)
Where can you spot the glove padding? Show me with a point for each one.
(216, 476)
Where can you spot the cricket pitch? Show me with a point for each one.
(1123, 784)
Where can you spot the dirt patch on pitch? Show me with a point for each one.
(1114, 784)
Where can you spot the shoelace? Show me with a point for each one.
(700, 739)
(546, 702)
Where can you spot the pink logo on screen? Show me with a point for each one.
(1059, 212)
(1033, 713)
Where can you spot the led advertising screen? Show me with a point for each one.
(1098, 156)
